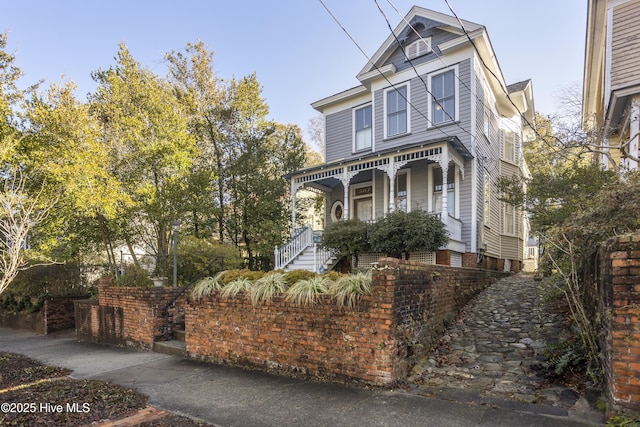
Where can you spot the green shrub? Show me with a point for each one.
(404, 232)
(195, 254)
(296, 275)
(348, 289)
(623, 421)
(134, 277)
(229, 276)
(348, 237)
(333, 276)
(305, 292)
(267, 286)
(55, 280)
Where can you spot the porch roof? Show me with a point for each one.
(453, 141)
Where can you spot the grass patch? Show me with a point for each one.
(231, 289)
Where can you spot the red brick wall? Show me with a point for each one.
(375, 343)
(142, 311)
(618, 301)
(408, 308)
(56, 314)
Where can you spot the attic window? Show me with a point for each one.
(418, 48)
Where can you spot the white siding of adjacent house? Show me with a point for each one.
(625, 45)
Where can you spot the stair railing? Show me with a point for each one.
(302, 239)
(167, 330)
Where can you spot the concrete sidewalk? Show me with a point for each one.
(227, 396)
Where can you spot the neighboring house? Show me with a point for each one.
(432, 126)
(611, 96)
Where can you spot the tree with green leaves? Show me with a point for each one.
(151, 150)
(400, 233)
(63, 149)
(347, 237)
(22, 205)
(259, 214)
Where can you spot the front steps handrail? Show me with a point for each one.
(286, 253)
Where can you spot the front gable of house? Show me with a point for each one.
(418, 37)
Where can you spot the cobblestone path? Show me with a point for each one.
(489, 354)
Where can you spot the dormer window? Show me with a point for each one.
(418, 48)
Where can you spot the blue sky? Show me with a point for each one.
(298, 52)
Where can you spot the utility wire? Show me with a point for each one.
(380, 71)
(494, 74)
(416, 71)
(474, 93)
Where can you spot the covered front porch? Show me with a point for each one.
(427, 176)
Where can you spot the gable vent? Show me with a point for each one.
(418, 48)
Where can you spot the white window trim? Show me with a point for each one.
(509, 151)
(385, 118)
(336, 204)
(353, 197)
(456, 97)
(354, 149)
(504, 220)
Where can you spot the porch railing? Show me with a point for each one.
(302, 239)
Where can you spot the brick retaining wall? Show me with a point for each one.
(56, 314)
(616, 298)
(124, 316)
(375, 343)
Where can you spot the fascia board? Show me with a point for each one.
(321, 104)
(387, 70)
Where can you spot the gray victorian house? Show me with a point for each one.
(432, 125)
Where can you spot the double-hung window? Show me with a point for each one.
(443, 103)
(397, 111)
(509, 219)
(363, 128)
(510, 146)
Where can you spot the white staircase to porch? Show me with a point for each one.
(301, 253)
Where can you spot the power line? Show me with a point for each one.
(417, 33)
(380, 71)
(416, 71)
(494, 74)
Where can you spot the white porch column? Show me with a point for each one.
(391, 171)
(294, 191)
(634, 133)
(444, 165)
(345, 179)
(293, 206)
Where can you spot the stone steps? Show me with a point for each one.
(175, 347)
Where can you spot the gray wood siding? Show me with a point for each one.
(488, 151)
(339, 136)
(625, 45)
(419, 111)
(398, 58)
(466, 186)
(511, 248)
